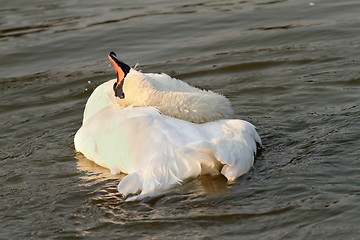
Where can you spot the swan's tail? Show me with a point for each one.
(234, 145)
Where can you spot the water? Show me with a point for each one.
(289, 67)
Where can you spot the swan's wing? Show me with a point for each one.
(164, 159)
(110, 137)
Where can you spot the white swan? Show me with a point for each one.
(158, 151)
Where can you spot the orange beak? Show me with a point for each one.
(121, 70)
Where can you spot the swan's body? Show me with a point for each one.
(158, 151)
(174, 97)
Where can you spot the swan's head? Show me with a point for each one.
(122, 69)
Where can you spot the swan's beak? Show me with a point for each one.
(121, 70)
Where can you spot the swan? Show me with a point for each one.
(155, 150)
(172, 97)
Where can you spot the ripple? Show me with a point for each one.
(289, 68)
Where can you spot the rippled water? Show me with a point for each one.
(289, 67)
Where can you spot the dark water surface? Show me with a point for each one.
(292, 68)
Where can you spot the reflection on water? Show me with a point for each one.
(289, 67)
(93, 173)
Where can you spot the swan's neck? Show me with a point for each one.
(174, 98)
(140, 89)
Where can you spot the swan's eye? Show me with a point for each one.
(114, 85)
